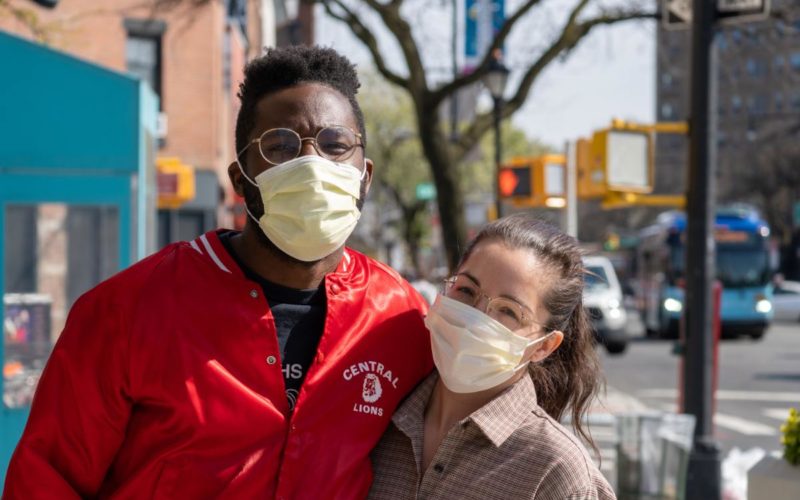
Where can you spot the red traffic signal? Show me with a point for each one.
(515, 182)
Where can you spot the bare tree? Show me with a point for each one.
(442, 155)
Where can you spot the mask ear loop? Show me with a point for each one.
(241, 169)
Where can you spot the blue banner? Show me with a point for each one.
(483, 19)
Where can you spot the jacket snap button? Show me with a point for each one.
(254, 294)
(335, 288)
(271, 360)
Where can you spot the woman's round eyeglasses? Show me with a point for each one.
(508, 312)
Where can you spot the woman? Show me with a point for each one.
(483, 426)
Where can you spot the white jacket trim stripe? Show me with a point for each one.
(193, 243)
(213, 255)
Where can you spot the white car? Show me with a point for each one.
(602, 298)
(786, 301)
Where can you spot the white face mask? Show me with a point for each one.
(472, 351)
(309, 205)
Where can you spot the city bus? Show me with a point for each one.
(742, 267)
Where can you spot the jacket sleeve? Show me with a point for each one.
(81, 408)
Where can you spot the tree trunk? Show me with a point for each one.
(449, 198)
(411, 235)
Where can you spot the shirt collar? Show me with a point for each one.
(506, 413)
(497, 419)
(410, 415)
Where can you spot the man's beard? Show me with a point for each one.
(253, 202)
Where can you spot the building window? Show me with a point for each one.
(796, 102)
(779, 62)
(794, 60)
(755, 67)
(722, 42)
(667, 111)
(778, 101)
(143, 52)
(666, 80)
(759, 104)
(736, 103)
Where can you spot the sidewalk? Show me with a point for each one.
(602, 426)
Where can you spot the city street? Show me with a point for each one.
(759, 382)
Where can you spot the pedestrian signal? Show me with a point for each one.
(534, 181)
(515, 182)
(175, 182)
(591, 174)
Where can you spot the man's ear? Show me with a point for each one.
(546, 347)
(370, 165)
(237, 179)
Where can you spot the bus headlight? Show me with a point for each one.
(673, 305)
(764, 306)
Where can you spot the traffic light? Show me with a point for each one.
(591, 176)
(534, 181)
(620, 159)
(515, 182)
(175, 181)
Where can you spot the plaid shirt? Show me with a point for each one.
(508, 449)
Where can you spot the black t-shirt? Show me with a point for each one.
(299, 321)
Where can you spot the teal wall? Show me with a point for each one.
(59, 112)
(73, 132)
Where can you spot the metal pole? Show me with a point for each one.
(454, 96)
(704, 474)
(498, 103)
(571, 150)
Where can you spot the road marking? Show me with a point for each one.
(777, 413)
(737, 424)
(742, 426)
(788, 397)
(670, 407)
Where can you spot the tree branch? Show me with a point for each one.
(390, 15)
(443, 92)
(571, 34)
(359, 29)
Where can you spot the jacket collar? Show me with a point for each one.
(209, 246)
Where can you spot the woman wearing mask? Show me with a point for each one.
(513, 351)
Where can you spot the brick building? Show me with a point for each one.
(192, 56)
(758, 94)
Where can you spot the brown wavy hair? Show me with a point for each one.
(570, 377)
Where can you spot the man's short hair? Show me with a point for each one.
(285, 67)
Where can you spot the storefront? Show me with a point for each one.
(77, 202)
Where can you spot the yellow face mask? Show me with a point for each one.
(472, 351)
(310, 205)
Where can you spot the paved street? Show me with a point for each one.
(759, 382)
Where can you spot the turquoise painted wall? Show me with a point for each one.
(73, 132)
(57, 111)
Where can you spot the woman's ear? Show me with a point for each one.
(546, 347)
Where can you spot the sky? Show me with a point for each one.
(610, 75)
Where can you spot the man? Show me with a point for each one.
(260, 364)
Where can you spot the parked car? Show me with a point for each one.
(602, 297)
(786, 301)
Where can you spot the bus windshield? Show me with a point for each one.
(736, 266)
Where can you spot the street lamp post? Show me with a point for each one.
(495, 80)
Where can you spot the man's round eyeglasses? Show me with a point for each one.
(508, 312)
(279, 145)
